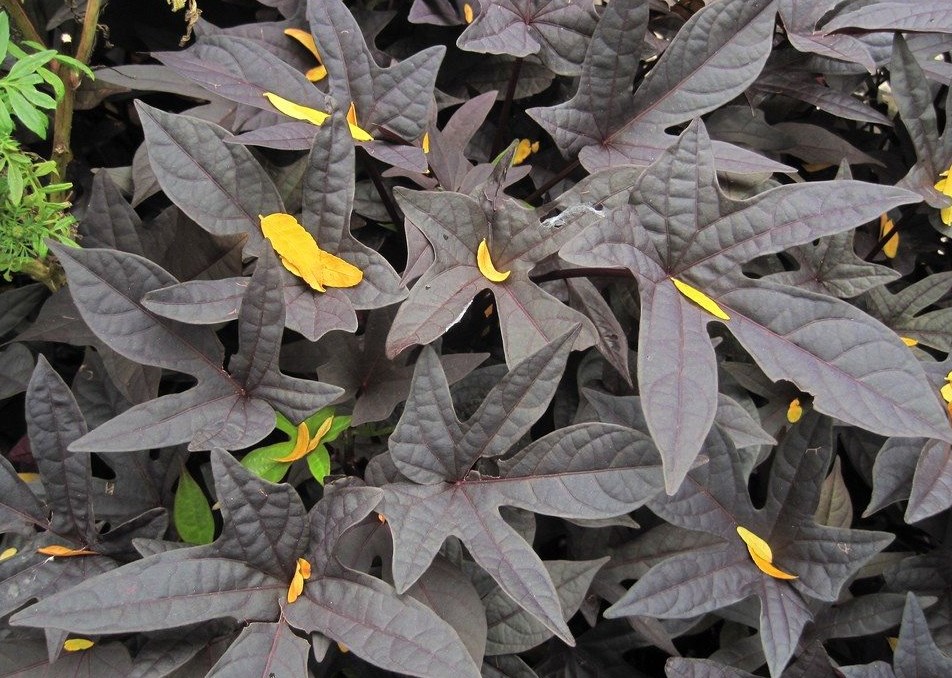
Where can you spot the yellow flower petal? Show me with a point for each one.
(524, 149)
(426, 142)
(77, 644)
(305, 444)
(297, 111)
(892, 245)
(794, 411)
(356, 131)
(8, 553)
(468, 12)
(306, 39)
(29, 477)
(302, 571)
(909, 341)
(486, 266)
(762, 555)
(755, 544)
(301, 255)
(304, 568)
(701, 299)
(893, 642)
(316, 74)
(63, 551)
(944, 186)
(769, 569)
(947, 393)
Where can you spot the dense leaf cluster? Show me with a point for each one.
(523, 338)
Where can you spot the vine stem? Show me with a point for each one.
(388, 202)
(544, 188)
(580, 273)
(503, 121)
(62, 152)
(887, 236)
(15, 11)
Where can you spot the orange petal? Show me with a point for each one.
(468, 12)
(769, 569)
(305, 38)
(64, 551)
(356, 131)
(301, 255)
(300, 445)
(909, 341)
(304, 568)
(296, 588)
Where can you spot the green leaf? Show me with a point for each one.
(28, 115)
(192, 514)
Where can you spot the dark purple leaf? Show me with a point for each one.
(557, 32)
(892, 15)
(264, 649)
(715, 56)
(221, 186)
(683, 227)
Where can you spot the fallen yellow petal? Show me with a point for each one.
(64, 551)
(769, 569)
(701, 299)
(318, 72)
(305, 444)
(893, 642)
(29, 477)
(77, 644)
(944, 186)
(762, 555)
(892, 245)
(426, 142)
(486, 266)
(8, 553)
(524, 149)
(946, 392)
(794, 411)
(755, 544)
(302, 571)
(356, 131)
(343, 648)
(297, 111)
(301, 255)
(468, 12)
(909, 341)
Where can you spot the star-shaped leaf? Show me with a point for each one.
(70, 534)
(584, 471)
(456, 225)
(933, 152)
(713, 58)
(902, 312)
(800, 19)
(245, 574)
(396, 98)
(557, 31)
(225, 408)
(682, 228)
(714, 499)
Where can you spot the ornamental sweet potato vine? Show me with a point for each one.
(506, 338)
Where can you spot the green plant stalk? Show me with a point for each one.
(14, 9)
(63, 118)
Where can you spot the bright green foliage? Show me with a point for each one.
(263, 460)
(192, 514)
(27, 213)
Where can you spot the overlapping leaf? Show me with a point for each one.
(715, 56)
(232, 409)
(557, 31)
(396, 98)
(584, 471)
(682, 227)
(714, 499)
(455, 224)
